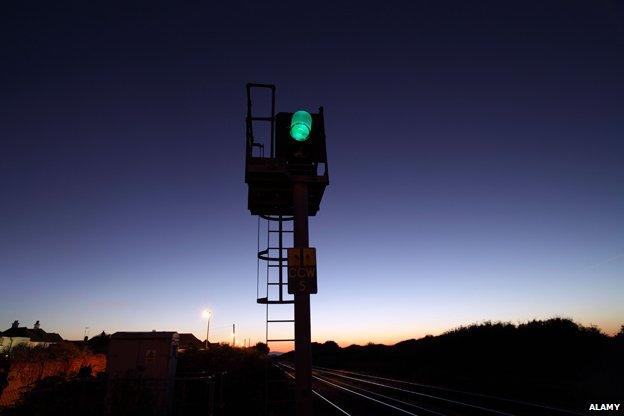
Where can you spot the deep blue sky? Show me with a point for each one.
(476, 158)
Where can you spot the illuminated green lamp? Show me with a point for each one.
(300, 125)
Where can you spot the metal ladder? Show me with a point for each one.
(273, 293)
(276, 259)
(271, 277)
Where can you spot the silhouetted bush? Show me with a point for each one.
(60, 351)
(99, 343)
(244, 370)
(59, 396)
(262, 348)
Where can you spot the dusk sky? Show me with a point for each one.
(476, 156)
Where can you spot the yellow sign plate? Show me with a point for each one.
(302, 270)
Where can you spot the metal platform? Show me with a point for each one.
(270, 186)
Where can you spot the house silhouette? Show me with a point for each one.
(31, 337)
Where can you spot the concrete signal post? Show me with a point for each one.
(291, 182)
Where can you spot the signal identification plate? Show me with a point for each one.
(302, 270)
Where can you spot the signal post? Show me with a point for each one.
(303, 335)
(287, 183)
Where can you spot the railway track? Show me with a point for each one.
(352, 393)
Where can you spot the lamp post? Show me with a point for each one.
(206, 314)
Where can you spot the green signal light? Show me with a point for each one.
(300, 125)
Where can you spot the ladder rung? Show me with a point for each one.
(277, 218)
(265, 301)
(262, 256)
(283, 231)
(277, 265)
(260, 85)
(277, 284)
(280, 340)
(281, 320)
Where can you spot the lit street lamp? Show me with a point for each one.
(206, 314)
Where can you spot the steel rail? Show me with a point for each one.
(367, 397)
(344, 412)
(353, 386)
(487, 396)
(371, 398)
(423, 394)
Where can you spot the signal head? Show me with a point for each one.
(300, 125)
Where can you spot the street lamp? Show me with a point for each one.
(206, 314)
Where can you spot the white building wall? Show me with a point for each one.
(6, 343)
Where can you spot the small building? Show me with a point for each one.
(141, 365)
(31, 337)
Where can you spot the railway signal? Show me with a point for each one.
(300, 137)
(288, 185)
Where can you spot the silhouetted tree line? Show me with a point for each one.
(552, 361)
(99, 343)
